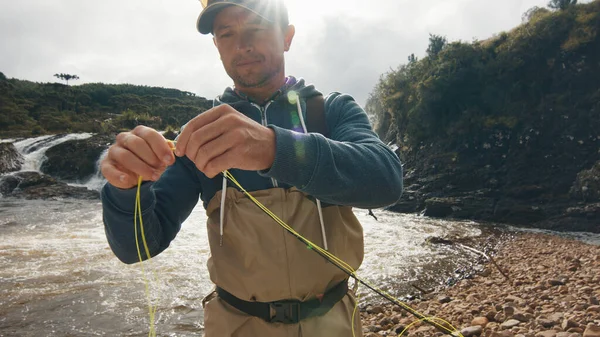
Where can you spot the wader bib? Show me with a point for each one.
(259, 261)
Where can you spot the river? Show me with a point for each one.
(59, 278)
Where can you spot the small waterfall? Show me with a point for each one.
(34, 149)
(96, 181)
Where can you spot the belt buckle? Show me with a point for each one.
(285, 312)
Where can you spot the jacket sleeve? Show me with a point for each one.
(165, 205)
(352, 168)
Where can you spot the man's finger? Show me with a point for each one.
(117, 177)
(157, 144)
(198, 122)
(220, 163)
(127, 159)
(211, 150)
(201, 138)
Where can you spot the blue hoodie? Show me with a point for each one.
(352, 167)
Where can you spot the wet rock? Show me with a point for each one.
(75, 160)
(8, 184)
(472, 331)
(32, 185)
(10, 159)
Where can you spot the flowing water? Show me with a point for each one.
(58, 276)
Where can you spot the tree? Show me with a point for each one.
(561, 4)
(66, 77)
(436, 44)
(533, 12)
(412, 59)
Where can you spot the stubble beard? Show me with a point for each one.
(255, 79)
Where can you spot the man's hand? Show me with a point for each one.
(223, 138)
(141, 152)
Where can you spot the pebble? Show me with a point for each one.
(483, 321)
(592, 331)
(472, 331)
(509, 324)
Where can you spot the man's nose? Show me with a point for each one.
(245, 42)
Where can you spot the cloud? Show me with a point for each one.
(339, 46)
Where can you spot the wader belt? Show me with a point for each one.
(288, 311)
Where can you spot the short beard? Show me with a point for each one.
(256, 81)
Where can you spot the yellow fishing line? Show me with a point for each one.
(138, 213)
(340, 263)
(446, 326)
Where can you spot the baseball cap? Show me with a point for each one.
(271, 10)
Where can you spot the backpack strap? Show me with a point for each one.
(315, 115)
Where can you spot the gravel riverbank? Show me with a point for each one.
(553, 290)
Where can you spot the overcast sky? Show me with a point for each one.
(339, 45)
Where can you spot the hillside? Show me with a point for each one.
(505, 129)
(28, 108)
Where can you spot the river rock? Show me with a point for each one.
(509, 324)
(592, 331)
(75, 160)
(483, 321)
(472, 331)
(502, 334)
(548, 333)
(33, 185)
(567, 323)
(7, 184)
(10, 159)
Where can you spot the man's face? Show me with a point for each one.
(251, 48)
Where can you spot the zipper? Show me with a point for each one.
(264, 122)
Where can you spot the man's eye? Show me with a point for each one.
(225, 35)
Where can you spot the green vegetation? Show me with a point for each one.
(28, 108)
(539, 74)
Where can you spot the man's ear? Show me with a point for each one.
(289, 36)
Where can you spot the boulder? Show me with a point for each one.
(587, 185)
(75, 160)
(10, 159)
(33, 185)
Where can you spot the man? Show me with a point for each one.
(268, 283)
